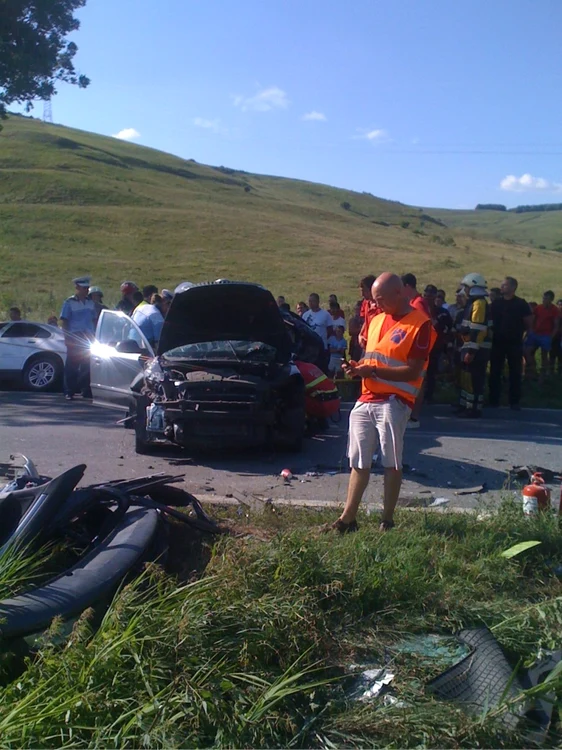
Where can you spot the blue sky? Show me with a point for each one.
(430, 102)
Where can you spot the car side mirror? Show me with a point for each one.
(129, 346)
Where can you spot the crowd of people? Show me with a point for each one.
(401, 338)
(395, 342)
(480, 330)
(79, 316)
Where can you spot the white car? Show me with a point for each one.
(33, 353)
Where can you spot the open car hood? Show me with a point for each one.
(223, 311)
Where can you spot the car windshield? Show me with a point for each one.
(231, 350)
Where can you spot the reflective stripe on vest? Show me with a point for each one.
(387, 351)
(382, 359)
(319, 379)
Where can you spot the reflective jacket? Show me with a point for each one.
(476, 326)
(322, 399)
(393, 350)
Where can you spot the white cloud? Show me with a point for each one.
(320, 116)
(376, 135)
(527, 183)
(127, 134)
(213, 125)
(264, 101)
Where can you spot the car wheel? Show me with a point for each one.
(42, 372)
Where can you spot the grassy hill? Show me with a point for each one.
(73, 202)
(533, 228)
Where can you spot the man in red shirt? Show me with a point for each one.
(423, 305)
(413, 296)
(546, 323)
(399, 342)
(369, 307)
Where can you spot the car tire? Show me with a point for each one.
(42, 372)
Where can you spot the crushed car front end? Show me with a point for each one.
(227, 382)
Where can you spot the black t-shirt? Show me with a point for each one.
(507, 317)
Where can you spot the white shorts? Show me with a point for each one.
(377, 427)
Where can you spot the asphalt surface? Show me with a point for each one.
(444, 457)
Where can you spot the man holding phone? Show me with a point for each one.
(392, 372)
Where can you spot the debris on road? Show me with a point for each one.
(526, 473)
(287, 474)
(471, 490)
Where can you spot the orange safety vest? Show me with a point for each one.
(393, 351)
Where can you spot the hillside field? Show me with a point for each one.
(73, 202)
(533, 228)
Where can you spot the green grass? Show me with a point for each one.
(254, 652)
(532, 229)
(73, 202)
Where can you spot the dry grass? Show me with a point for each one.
(74, 203)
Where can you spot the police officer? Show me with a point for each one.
(476, 333)
(77, 319)
(96, 295)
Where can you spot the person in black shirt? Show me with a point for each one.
(511, 318)
(443, 325)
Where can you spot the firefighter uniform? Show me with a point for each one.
(475, 330)
(322, 399)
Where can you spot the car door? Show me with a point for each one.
(18, 341)
(117, 356)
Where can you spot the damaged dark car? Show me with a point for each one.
(223, 374)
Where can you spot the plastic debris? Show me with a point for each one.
(287, 474)
(517, 549)
(539, 715)
(438, 502)
(471, 490)
(370, 684)
(391, 701)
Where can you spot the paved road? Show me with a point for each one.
(444, 456)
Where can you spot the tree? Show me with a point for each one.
(34, 51)
(490, 207)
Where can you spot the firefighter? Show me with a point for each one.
(475, 330)
(322, 399)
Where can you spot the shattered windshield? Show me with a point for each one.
(224, 350)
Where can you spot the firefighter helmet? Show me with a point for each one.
(474, 279)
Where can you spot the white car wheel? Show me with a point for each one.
(41, 374)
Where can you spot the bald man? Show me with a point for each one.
(392, 372)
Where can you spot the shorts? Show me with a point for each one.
(539, 341)
(377, 427)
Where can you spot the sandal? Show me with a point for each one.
(340, 527)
